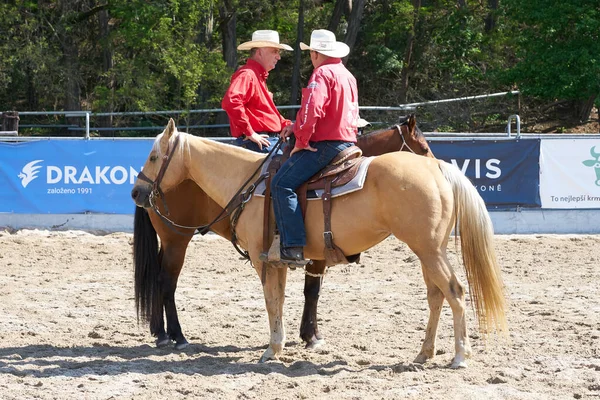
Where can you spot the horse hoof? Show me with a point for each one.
(181, 345)
(458, 364)
(421, 359)
(315, 344)
(268, 355)
(163, 342)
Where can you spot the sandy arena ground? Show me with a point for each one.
(69, 329)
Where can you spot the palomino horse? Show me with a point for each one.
(437, 194)
(157, 271)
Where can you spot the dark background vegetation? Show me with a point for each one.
(109, 56)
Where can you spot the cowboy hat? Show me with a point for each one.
(264, 38)
(323, 41)
(362, 123)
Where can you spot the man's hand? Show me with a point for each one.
(260, 140)
(286, 131)
(297, 149)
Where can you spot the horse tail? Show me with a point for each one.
(475, 228)
(147, 267)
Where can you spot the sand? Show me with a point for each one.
(69, 328)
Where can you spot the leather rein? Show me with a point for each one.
(233, 209)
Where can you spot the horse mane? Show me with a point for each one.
(183, 143)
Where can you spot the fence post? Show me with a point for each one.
(518, 119)
(10, 121)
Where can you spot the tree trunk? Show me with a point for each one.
(490, 19)
(107, 66)
(209, 26)
(584, 108)
(408, 54)
(297, 56)
(228, 27)
(354, 24)
(336, 17)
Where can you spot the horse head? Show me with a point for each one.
(413, 137)
(164, 168)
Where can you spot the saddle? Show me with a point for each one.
(340, 171)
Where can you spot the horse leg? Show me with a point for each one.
(313, 280)
(274, 291)
(157, 322)
(435, 298)
(172, 262)
(439, 271)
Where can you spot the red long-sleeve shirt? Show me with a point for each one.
(249, 104)
(329, 109)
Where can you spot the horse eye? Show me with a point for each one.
(153, 158)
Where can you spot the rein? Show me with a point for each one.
(234, 208)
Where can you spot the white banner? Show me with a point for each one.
(570, 173)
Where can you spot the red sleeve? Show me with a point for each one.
(314, 100)
(234, 102)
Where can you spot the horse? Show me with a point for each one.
(434, 195)
(157, 271)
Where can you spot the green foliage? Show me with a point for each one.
(557, 49)
(163, 55)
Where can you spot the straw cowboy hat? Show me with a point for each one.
(323, 41)
(264, 38)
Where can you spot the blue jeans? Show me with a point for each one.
(293, 173)
(250, 145)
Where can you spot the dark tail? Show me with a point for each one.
(147, 268)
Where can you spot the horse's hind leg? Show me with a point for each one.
(274, 291)
(313, 280)
(172, 262)
(435, 298)
(437, 271)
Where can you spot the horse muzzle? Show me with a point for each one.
(141, 196)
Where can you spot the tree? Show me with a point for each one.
(558, 51)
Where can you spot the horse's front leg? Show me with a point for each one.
(171, 267)
(274, 291)
(313, 281)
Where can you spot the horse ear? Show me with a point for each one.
(171, 128)
(412, 123)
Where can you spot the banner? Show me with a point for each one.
(70, 176)
(570, 173)
(505, 173)
(96, 176)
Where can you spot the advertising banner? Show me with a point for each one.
(570, 173)
(70, 176)
(96, 176)
(505, 173)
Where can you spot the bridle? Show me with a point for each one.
(404, 144)
(156, 191)
(233, 209)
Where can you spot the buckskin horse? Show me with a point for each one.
(438, 195)
(157, 270)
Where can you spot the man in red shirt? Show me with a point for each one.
(254, 120)
(325, 125)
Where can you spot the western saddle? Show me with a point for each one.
(340, 171)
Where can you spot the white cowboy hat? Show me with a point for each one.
(264, 38)
(362, 123)
(323, 41)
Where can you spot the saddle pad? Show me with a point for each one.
(355, 184)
